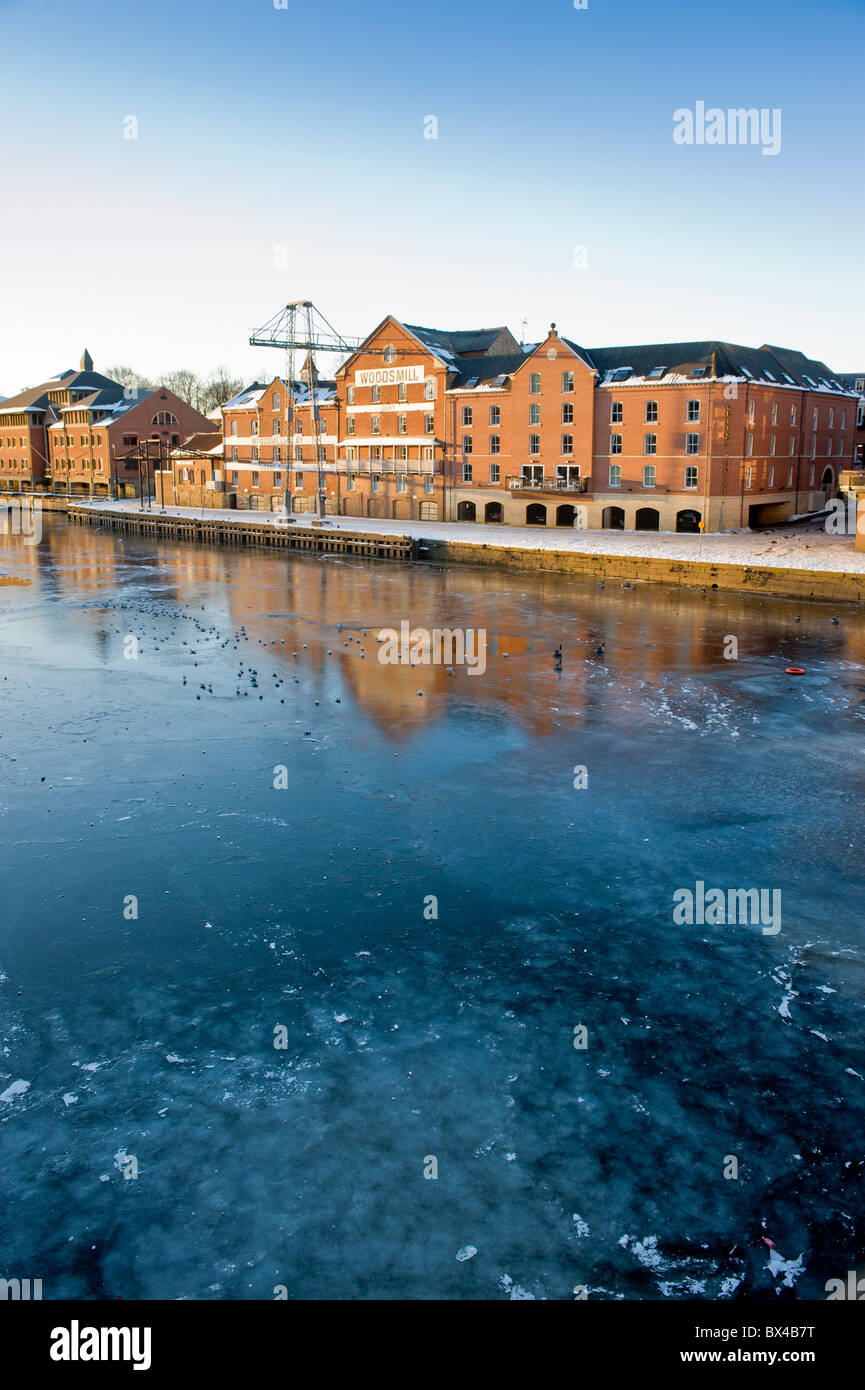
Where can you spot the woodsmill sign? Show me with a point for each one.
(390, 376)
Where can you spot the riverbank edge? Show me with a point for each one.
(829, 586)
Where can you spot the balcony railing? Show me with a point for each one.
(523, 484)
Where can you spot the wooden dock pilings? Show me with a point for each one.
(218, 531)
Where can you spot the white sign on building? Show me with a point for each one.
(390, 376)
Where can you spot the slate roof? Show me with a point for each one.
(769, 364)
(36, 397)
(485, 370)
(455, 344)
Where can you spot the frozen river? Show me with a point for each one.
(420, 913)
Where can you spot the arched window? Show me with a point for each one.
(164, 417)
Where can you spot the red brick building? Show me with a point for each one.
(431, 424)
(80, 434)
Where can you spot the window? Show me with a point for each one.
(789, 477)
(693, 411)
(843, 419)
(567, 413)
(376, 395)
(429, 424)
(276, 427)
(534, 415)
(829, 447)
(771, 478)
(534, 443)
(567, 443)
(650, 443)
(277, 479)
(495, 415)
(616, 413)
(535, 384)
(495, 473)
(429, 389)
(467, 443)
(298, 426)
(751, 411)
(255, 456)
(651, 412)
(692, 444)
(255, 480)
(567, 382)
(749, 474)
(401, 424)
(349, 395)
(792, 448)
(649, 475)
(232, 454)
(772, 444)
(375, 453)
(401, 394)
(813, 446)
(164, 417)
(750, 444)
(401, 483)
(130, 440)
(816, 417)
(349, 424)
(811, 478)
(690, 476)
(792, 414)
(615, 475)
(298, 453)
(322, 453)
(350, 483)
(375, 424)
(467, 472)
(277, 455)
(495, 444)
(234, 479)
(774, 412)
(428, 484)
(831, 417)
(426, 453)
(467, 414)
(615, 443)
(376, 482)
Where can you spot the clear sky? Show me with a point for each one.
(281, 155)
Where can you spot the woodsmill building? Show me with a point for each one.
(442, 425)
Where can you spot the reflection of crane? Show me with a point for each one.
(299, 325)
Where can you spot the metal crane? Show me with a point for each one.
(300, 326)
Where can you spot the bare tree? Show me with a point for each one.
(127, 376)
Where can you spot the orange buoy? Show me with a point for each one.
(795, 670)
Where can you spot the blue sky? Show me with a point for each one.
(281, 155)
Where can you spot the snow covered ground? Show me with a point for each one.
(796, 547)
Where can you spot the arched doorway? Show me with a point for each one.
(614, 519)
(493, 512)
(827, 482)
(688, 520)
(565, 514)
(466, 511)
(647, 519)
(536, 514)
